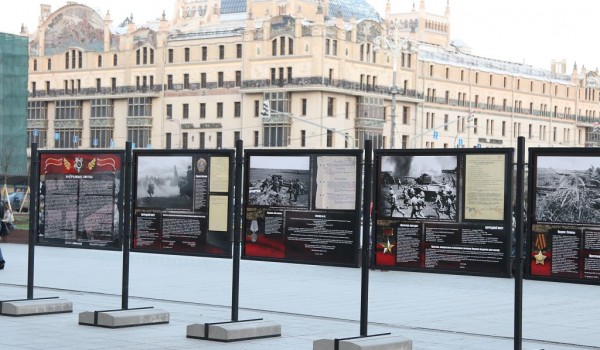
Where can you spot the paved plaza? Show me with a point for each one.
(437, 311)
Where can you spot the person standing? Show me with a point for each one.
(3, 232)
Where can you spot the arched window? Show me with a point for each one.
(34, 65)
(49, 64)
(99, 61)
(114, 60)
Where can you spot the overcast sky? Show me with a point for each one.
(526, 31)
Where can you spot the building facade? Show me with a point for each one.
(293, 73)
(13, 107)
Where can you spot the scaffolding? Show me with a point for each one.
(14, 62)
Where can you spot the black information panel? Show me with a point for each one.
(443, 210)
(80, 199)
(183, 202)
(302, 206)
(564, 220)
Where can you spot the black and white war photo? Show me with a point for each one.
(279, 181)
(164, 182)
(418, 187)
(567, 189)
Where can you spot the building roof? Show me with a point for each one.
(358, 9)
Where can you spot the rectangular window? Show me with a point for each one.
(202, 137)
(330, 106)
(237, 109)
(186, 54)
(113, 84)
(256, 108)
(203, 80)
(169, 82)
(98, 85)
(256, 138)
(276, 135)
(302, 138)
(405, 115)
(334, 48)
(282, 45)
(101, 108)
(347, 111)
(68, 109)
(186, 81)
(168, 140)
(239, 51)
(101, 137)
(238, 78)
(219, 140)
(67, 138)
(202, 110)
(186, 111)
(139, 107)
(236, 136)
(329, 138)
(184, 140)
(221, 52)
(170, 54)
(204, 53)
(220, 81)
(327, 46)
(139, 136)
(219, 109)
(169, 111)
(303, 112)
(530, 131)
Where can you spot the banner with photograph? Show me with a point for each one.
(80, 202)
(302, 206)
(183, 202)
(564, 219)
(443, 210)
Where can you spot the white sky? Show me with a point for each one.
(530, 31)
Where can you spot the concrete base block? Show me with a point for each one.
(376, 342)
(30, 307)
(124, 318)
(234, 331)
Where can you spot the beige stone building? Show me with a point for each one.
(324, 68)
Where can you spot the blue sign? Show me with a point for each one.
(36, 132)
(460, 142)
(478, 145)
(435, 135)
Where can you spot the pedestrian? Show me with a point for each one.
(3, 232)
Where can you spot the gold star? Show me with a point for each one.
(387, 247)
(539, 258)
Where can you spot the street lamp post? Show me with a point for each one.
(387, 43)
